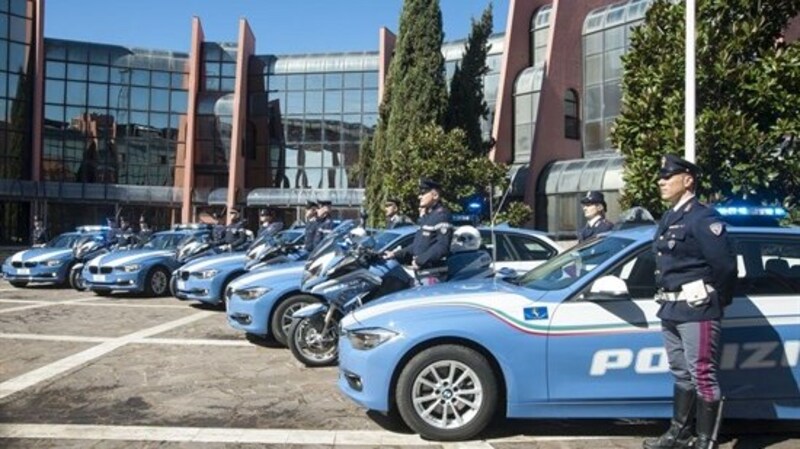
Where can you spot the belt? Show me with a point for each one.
(662, 296)
(431, 271)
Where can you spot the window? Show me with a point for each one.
(639, 274)
(767, 265)
(571, 119)
(528, 248)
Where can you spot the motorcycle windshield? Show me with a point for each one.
(88, 243)
(329, 243)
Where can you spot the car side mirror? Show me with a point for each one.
(608, 288)
(506, 272)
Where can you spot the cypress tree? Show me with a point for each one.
(467, 105)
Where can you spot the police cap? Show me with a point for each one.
(426, 185)
(672, 165)
(311, 204)
(323, 203)
(593, 197)
(265, 212)
(37, 218)
(234, 212)
(392, 201)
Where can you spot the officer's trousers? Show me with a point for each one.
(693, 352)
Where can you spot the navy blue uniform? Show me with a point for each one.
(311, 233)
(39, 236)
(589, 231)
(398, 220)
(235, 233)
(322, 229)
(431, 242)
(691, 244)
(269, 228)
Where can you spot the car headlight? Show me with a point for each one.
(249, 294)
(207, 274)
(369, 338)
(130, 268)
(54, 263)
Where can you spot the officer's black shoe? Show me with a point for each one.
(679, 434)
(708, 421)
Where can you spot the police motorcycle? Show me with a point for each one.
(91, 246)
(353, 274)
(273, 249)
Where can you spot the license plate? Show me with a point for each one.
(24, 271)
(99, 278)
(181, 285)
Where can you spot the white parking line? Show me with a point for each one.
(141, 341)
(22, 301)
(68, 338)
(39, 305)
(144, 306)
(262, 436)
(56, 368)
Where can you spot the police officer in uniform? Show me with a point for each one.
(267, 223)
(235, 232)
(311, 225)
(395, 219)
(428, 253)
(145, 231)
(695, 275)
(39, 233)
(218, 229)
(594, 209)
(324, 223)
(125, 234)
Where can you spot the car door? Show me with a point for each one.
(519, 252)
(761, 329)
(610, 349)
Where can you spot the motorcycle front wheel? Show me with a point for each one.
(311, 344)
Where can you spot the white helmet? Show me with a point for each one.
(465, 238)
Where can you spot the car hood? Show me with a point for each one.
(270, 275)
(215, 261)
(41, 254)
(494, 296)
(124, 257)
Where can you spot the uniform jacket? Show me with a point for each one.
(690, 244)
(398, 220)
(323, 228)
(432, 241)
(39, 236)
(589, 231)
(235, 233)
(311, 232)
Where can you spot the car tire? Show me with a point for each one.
(309, 345)
(281, 319)
(223, 303)
(156, 283)
(173, 286)
(76, 281)
(474, 400)
(18, 284)
(102, 292)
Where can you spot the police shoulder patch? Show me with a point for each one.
(716, 228)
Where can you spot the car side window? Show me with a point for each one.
(504, 252)
(639, 274)
(528, 248)
(767, 265)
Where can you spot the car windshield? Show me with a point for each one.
(290, 236)
(573, 265)
(164, 241)
(63, 241)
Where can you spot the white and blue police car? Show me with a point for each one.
(51, 262)
(576, 337)
(145, 269)
(261, 303)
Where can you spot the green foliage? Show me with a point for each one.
(516, 214)
(467, 106)
(748, 102)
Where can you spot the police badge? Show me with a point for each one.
(716, 228)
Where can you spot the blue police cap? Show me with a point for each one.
(265, 212)
(311, 204)
(426, 185)
(593, 197)
(672, 165)
(324, 203)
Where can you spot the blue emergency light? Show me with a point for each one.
(751, 211)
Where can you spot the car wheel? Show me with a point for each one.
(157, 282)
(77, 281)
(313, 345)
(102, 292)
(18, 284)
(281, 319)
(447, 393)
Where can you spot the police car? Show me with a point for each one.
(261, 303)
(577, 337)
(205, 279)
(49, 263)
(144, 270)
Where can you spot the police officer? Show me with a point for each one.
(145, 231)
(395, 219)
(324, 221)
(594, 210)
(311, 225)
(124, 234)
(39, 233)
(695, 275)
(218, 229)
(428, 253)
(235, 231)
(267, 223)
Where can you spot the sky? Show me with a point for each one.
(279, 26)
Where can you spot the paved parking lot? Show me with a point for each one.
(79, 371)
